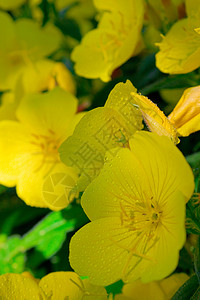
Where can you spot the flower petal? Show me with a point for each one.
(164, 164)
(14, 151)
(57, 187)
(18, 287)
(62, 285)
(119, 183)
(171, 237)
(53, 111)
(47, 185)
(186, 114)
(154, 118)
(100, 257)
(42, 41)
(180, 49)
(101, 130)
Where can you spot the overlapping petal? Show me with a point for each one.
(54, 286)
(101, 130)
(48, 113)
(137, 208)
(186, 114)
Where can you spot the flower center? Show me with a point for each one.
(46, 146)
(139, 217)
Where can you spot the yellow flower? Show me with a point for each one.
(186, 114)
(43, 76)
(54, 286)
(180, 48)
(183, 120)
(23, 43)
(29, 146)
(137, 209)
(101, 130)
(104, 49)
(11, 4)
(161, 290)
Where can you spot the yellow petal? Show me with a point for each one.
(14, 151)
(186, 114)
(10, 4)
(162, 290)
(192, 8)
(52, 111)
(19, 287)
(62, 285)
(94, 292)
(44, 75)
(154, 118)
(62, 77)
(101, 258)
(169, 162)
(42, 41)
(139, 290)
(180, 49)
(6, 27)
(48, 184)
(57, 186)
(59, 285)
(120, 100)
(99, 131)
(171, 284)
(125, 177)
(8, 106)
(171, 238)
(23, 164)
(112, 5)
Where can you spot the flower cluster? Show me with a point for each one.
(94, 158)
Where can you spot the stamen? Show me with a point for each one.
(47, 147)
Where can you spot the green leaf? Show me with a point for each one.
(192, 217)
(11, 263)
(3, 189)
(115, 288)
(171, 82)
(49, 234)
(196, 295)
(197, 259)
(19, 218)
(69, 27)
(194, 160)
(187, 290)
